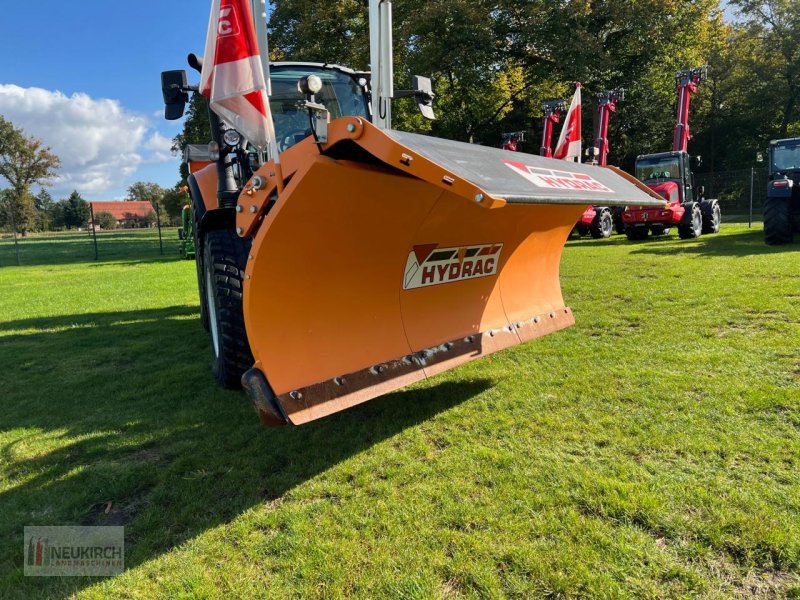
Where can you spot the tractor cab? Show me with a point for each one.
(669, 174)
(343, 92)
(782, 206)
(784, 160)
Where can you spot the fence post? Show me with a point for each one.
(94, 231)
(14, 228)
(752, 177)
(158, 221)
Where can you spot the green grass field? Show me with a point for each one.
(650, 451)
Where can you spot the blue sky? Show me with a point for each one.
(85, 79)
(104, 50)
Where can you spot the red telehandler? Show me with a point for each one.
(552, 110)
(669, 174)
(600, 221)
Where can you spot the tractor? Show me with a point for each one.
(670, 175)
(782, 206)
(349, 259)
(511, 140)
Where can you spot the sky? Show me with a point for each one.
(85, 78)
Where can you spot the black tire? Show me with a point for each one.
(602, 225)
(582, 231)
(712, 216)
(777, 221)
(691, 226)
(225, 256)
(636, 233)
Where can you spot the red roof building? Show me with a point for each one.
(123, 211)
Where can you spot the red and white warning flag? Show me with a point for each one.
(232, 77)
(569, 142)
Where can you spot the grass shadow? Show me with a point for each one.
(740, 242)
(169, 458)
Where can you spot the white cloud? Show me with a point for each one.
(100, 143)
(161, 148)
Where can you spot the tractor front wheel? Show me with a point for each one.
(691, 226)
(224, 260)
(777, 221)
(712, 216)
(603, 224)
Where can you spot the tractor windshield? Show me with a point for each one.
(340, 94)
(786, 156)
(658, 167)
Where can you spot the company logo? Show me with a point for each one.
(558, 180)
(228, 23)
(430, 265)
(58, 551)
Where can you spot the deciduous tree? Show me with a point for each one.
(24, 161)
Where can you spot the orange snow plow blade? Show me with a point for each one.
(390, 257)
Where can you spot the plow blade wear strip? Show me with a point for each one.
(390, 257)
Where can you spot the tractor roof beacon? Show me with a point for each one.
(369, 258)
(670, 175)
(782, 206)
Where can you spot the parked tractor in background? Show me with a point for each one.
(185, 233)
(670, 175)
(601, 221)
(511, 141)
(782, 206)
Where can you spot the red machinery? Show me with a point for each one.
(512, 140)
(599, 221)
(670, 175)
(552, 114)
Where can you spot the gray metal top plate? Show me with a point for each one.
(525, 178)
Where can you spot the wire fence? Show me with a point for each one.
(741, 193)
(77, 246)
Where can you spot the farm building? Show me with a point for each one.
(127, 213)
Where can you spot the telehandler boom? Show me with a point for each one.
(600, 221)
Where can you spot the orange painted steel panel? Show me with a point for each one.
(378, 267)
(207, 181)
(322, 299)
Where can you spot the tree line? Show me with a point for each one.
(493, 62)
(25, 162)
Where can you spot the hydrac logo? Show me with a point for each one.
(430, 265)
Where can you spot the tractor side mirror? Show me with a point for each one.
(173, 88)
(423, 94)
